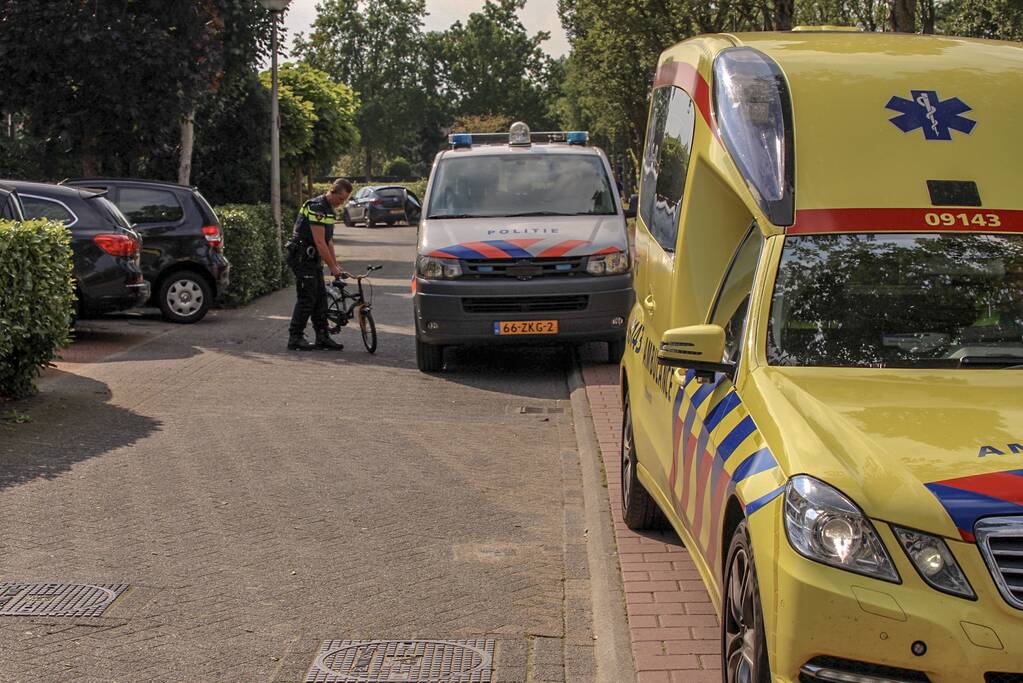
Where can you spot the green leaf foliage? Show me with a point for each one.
(250, 244)
(36, 301)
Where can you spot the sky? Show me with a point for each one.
(538, 15)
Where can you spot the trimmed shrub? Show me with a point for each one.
(399, 166)
(250, 244)
(36, 301)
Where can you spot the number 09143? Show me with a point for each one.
(966, 220)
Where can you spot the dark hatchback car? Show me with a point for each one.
(183, 244)
(106, 267)
(383, 204)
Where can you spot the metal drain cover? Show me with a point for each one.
(57, 599)
(410, 661)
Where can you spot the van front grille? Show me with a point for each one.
(525, 304)
(524, 268)
(1001, 543)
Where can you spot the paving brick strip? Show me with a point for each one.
(672, 623)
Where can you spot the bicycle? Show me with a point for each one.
(343, 306)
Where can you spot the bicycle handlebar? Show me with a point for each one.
(345, 275)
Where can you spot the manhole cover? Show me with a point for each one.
(411, 661)
(57, 599)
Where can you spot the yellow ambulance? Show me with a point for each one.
(823, 379)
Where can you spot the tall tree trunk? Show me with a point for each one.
(187, 145)
(784, 12)
(903, 16)
(309, 182)
(369, 164)
(90, 157)
(927, 16)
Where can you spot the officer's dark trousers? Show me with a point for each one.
(312, 298)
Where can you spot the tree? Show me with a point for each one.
(493, 66)
(331, 107)
(375, 48)
(999, 19)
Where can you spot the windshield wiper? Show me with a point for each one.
(539, 213)
(1006, 362)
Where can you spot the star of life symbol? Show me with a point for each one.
(937, 117)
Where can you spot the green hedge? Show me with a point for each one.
(250, 245)
(36, 301)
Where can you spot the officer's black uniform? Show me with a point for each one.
(304, 260)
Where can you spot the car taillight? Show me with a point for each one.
(212, 233)
(117, 245)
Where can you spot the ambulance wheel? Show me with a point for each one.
(638, 508)
(615, 350)
(429, 358)
(743, 643)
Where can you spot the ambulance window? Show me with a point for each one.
(666, 162)
(732, 303)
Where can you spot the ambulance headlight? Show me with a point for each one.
(754, 115)
(825, 526)
(438, 268)
(608, 264)
(935, 562)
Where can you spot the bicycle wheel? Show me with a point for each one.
(336, 315)
(369, 330)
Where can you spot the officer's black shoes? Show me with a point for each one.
(299, 343)
(323, 341)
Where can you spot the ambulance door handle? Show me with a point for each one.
(649, 304)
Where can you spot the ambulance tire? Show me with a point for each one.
(615, 351)
(429, 358)
(743, 654)
(639, 509)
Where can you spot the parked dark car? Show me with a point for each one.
(383, 204)
(106, 265)
(10, 204)
(183, 252)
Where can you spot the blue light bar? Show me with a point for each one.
(460, 140)
(577, 137)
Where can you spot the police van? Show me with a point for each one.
(823, 390)
(522, 240)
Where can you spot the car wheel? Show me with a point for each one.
(429, 358)
(639, 509)
(743, 642)
(185, 297)
(615, 350)
(346, 219)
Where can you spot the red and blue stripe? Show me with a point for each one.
(967, 499)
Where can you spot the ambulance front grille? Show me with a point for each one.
(1001, 543)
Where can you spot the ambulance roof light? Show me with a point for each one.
(518, 134)
(754, 115)
(459, 140)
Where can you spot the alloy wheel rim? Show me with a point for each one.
(184, 297)
(741, 628)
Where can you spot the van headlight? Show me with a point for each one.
(438, 268)
(935, 562)
(608, 264)
(825, 526)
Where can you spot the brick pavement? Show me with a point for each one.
(674, 629)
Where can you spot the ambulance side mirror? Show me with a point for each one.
(697, 347)
(630, 212)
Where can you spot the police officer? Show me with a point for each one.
(311, 244)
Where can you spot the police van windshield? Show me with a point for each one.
(521, 185)
(899, 300)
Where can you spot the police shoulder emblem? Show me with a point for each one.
(937, 117)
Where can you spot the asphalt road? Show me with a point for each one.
(259, 502)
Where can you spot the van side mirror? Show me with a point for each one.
(633, 205)
(697, 347)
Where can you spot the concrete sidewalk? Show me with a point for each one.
(674, 630)
(259, 502)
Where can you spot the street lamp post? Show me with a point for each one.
(276, 8)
